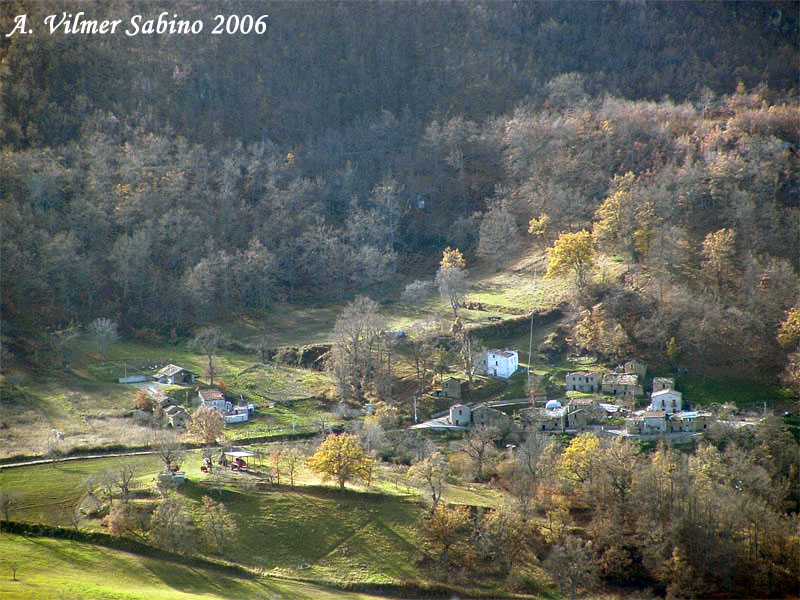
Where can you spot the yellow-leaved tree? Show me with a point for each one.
(578, 464)
(538, 225)
(571, 252)
(451, 278)
(452, 259)
(719, 254)
(341, 457)
(616, 217)
(789, 330)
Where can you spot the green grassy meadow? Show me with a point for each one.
(48, 494)
(311, 531)
(68, 570)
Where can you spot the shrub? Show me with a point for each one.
(143, 401)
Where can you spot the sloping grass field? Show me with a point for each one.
(310, 532)
(68, 570)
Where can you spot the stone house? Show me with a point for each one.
(622, 385)
(584, 381)
(663, 383)
(590, 406)
(452, 388)
(553, 419)
(658, 422)
(651, 422)
(175, 375)
(460, 415)
(689, 421)
(636, 367)
(484, 415)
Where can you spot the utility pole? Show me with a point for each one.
(530, 342)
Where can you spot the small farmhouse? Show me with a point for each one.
(452, 388)
(651, 422)
(590, 406)
(176, 416)
(484, 415)
(584, 381)
(460, 415)
(553, 418)
(663, 383)
(623, 385)
(636, 367)
(499, 363)
(175, 375)
(215, 399)
(670, 401)
(690, 421)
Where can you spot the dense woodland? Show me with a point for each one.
(165, 181)
(711, 524)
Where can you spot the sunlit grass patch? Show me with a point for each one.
(67, 570)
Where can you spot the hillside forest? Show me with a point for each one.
(176, 187)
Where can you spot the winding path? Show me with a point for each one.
(45, 461)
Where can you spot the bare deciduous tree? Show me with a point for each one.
(354, 332)
(61, 339)
(218, 524)
(209, 339)
(421, 347)
(171, 526)
(451, 279)
(497, 232)
(8, 501)
(416, 293)
(572, 564)
(103, 332)
(125, 474)
(479, 444)
(292, 460)
(207, 424)
(262, 346)
(168, 447)
(431, 472)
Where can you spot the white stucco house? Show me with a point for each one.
(215, 399)
(670, 401)
(500, 363)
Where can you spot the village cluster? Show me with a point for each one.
(176, 415)
(590, 399)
